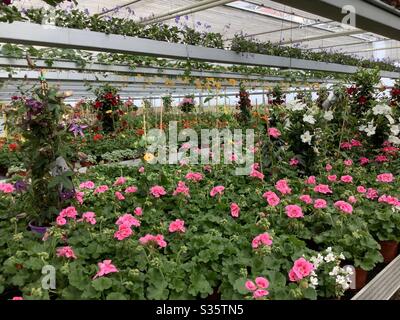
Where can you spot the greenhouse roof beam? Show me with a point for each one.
(118, 7)
(33, 34)
(125, 69)
(323, 37)
(369, 16)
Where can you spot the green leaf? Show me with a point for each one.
(310, 293)
(102, 284)
(116, 296)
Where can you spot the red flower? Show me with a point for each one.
(98, 104)
(351, 90)
(362, 100)
(97, 137)
(12, 147)
(140, 132)
(109, 96)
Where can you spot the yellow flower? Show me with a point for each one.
(109, 111)
(148, 157)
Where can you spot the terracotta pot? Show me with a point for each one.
(389, 250)
(361, 278)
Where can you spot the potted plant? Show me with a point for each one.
(108, 105)
(43, 134)
(187, 104)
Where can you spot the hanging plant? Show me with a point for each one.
(187, 104)
(244, 105)
(109, 107)
(167, 103)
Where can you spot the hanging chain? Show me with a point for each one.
(43, 83)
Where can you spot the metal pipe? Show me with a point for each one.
(185, 10)
(326, 36)
(117, 7)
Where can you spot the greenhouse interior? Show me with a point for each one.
(199, 150)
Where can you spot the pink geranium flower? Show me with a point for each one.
(352, 199)
(138, 211)
(119, 196)
(89, 217)
(124, 231)
(294, 211)
(256, 174)
(294, 162)
(283, 187)
(311, 180)
(120, 181)
(235, 210)
(344, 206)
(158, 239)
(181, 188)
(346, 179)
(128, 220)
(105, 267)
(131, 189)
(60, 221)
(217, 190)
(262, 283)
(361, 189)
(17, 298)
(322, 188)
(79, 197)
(194, 176)
(320, 204)
(364, 161)
(372, 194)
(87, 185)
(306, 199)
(7, 188)
(66, 252)
(101, 189)
(157, 191)
(332, 178)
(262, 239)
(69, 212)
(385, 177)
(141, 169)
(274, 132)
(348, 162)
(259, 293)
(177, 226)
(250, 285)
(381, 158)
(301, 269)
(272, 199)
(328, 167)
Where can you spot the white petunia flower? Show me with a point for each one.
(306, 137)
(369, 130)
(328, 115)
(309, 119)
(296, 105)
(390, 119)
(382, 109)
(395, 129)
(394, 140)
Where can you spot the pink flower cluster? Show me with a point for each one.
(181, 188)
(294, 211)
(101, 189)
(346, 179)
(157, 239)
(283, 187)
(7, 188)
(258, 288)
(138, 211)
(217, 190)
(322, 188)
(294, 162)
(235, 210)
(105, 268)
(177, 226)
(393, 201)
(272, 198)
(89, 217)
(385, 177)
(157, 191)
(87, 185)
(306, 199)
(194, 176)
(131, 189)
(320, 204)
(274, 132)
(262, 239)
(125, 224)
(66, 252)
(79, 196)
(301, 269)
(311, 180)
(120, 181)
(344, 206)
(69, 212)
(119, 196)
(255, 173)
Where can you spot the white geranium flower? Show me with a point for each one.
(395, 129)
(309, 119)
(369, 130)
(314, 282)
(349, 270)
(329, 249)
(330, 257)
(342, 257)
(335, 271)
(296, 105)
(306, 137)
(328, 115)
(395, 140)
(382, 109)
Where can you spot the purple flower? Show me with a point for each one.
(20, 186)
(34, 106)
(177, 18)
(77, 129)
(7, 2)
(66, 195)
